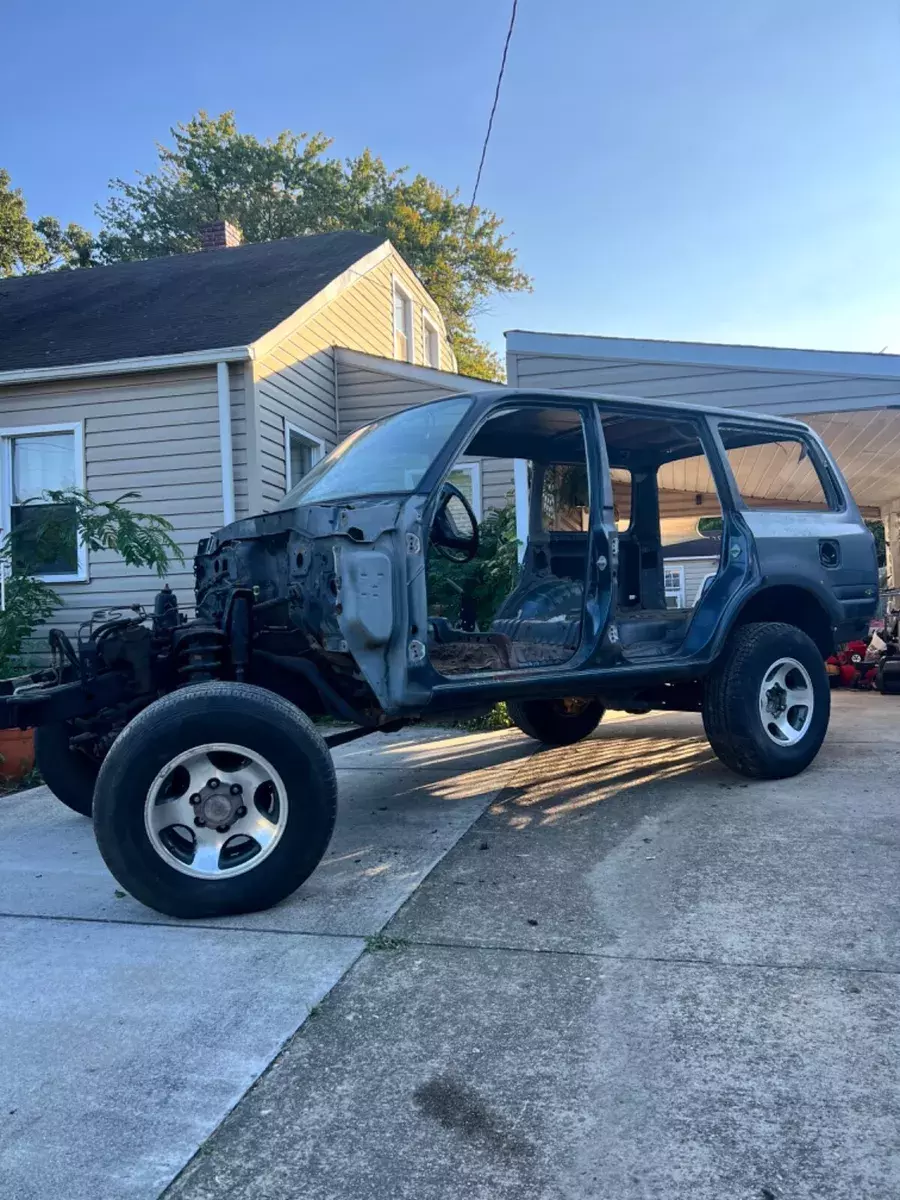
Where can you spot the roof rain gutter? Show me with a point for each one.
(226, 444)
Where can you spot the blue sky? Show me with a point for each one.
(697, 169)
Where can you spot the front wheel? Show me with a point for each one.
(217, 799)
(557, 722)
(766, 706)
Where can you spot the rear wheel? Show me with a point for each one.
(71, 775)
(218, 799)
(557, 722)
(766, 706)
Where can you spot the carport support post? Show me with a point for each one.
(890, 514)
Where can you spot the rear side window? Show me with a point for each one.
(773, 471)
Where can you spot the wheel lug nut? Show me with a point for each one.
(213, 783)
(241, 812)
(236, 789)
(221, 829)
(195, 799)
(199, 821)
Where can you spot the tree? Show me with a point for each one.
(21, 249)
(287, 186)
(27, 247)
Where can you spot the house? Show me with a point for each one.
(687, 566)
(208, 382)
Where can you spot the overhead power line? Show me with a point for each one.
(490, 126)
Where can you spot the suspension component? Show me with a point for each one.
(200, 650)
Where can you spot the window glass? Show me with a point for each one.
(387, 457)
(402, 325)
(44, 535)
(304, 454)
(673, 583)
(774, 472)
(432, 344)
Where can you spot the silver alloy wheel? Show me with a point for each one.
(786, 701)
(216, 811)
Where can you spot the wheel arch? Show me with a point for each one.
(793, 605)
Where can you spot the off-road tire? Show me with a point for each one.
(548, 722)
(235, 713)
(731, 714)
(69, 774)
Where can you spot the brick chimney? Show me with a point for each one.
(219, 235)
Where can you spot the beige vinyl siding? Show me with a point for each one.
(695, 571)
(497, 482)
(367, 395)
(722, 387)
(156, 433)
(296, 379)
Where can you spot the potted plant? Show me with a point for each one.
(141, 540)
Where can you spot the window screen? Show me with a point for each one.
(774, 472)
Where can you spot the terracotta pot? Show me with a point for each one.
(17, 750)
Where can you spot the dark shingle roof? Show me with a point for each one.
(203, 301)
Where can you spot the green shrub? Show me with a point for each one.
(487, 580)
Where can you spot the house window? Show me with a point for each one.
(467, 477)
(431, 342)
(674, 587)
(301, 452)
(36, 461)
(403, 324)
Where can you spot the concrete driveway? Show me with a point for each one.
(628, 974)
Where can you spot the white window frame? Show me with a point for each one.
(7, 433)
(679, 591)
(397, 289)
(315, 444)
(430, 326)
(473, 470)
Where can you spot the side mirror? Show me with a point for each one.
(454, 530)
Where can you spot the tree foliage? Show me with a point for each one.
(28, 247)
(140, 539)
(288, 186)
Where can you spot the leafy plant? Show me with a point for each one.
(141, 539)
(477, 589)
(877, 530)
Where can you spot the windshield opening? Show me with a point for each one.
(385, 458)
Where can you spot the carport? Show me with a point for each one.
(851, 400)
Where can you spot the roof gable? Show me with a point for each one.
(175, 305)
